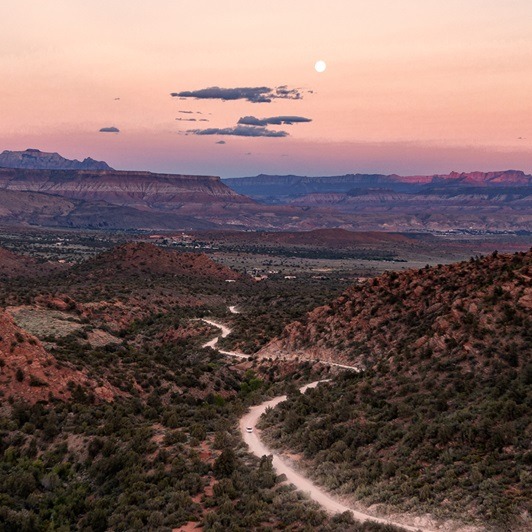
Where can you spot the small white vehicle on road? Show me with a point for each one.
(249, 430)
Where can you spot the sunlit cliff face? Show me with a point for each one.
(409, 87)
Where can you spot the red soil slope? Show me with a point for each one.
(29, 373)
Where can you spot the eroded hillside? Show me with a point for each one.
(439, 420)
(470, 309)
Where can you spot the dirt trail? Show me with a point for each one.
(226, 331)
(257, 447)
(214, 342)
(302, 483)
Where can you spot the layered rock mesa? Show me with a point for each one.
(37, 159)
(140, 190)
(278, 187)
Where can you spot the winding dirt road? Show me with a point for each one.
(258, 448)
(226, 331)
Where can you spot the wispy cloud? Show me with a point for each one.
(220, 142)
(192, 119)
(111, 129)
(240, 131)
(251, 94)
(273, 120)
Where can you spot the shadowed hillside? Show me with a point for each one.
(137, 258)
(17, 265)
(439, 420)
(475, 308)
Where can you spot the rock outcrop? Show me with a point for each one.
(479, 307)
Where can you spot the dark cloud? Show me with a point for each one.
(240, 131)
(220, 142)
(203, 120)
(110, 129)
(251, 94)
(291, 94)
(274, 120)
(186, 112)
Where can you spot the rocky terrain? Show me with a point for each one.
(113, 289)
(139, 412)
(455, 307)
(438, 421)
(15, 265)
(28, 373)
(36, 159)
(139, 258)
(112, 415)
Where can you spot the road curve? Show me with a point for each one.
(257, 447)
(226, 331)
(214, 342)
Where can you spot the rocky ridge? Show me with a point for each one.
(36, 159)
(471, 308)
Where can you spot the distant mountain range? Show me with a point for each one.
(285, 188)
(36, 159)
(45, 189)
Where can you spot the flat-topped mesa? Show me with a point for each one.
(120, 187)
(297, 185)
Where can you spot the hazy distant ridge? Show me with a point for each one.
(292, 185)
(36, 159)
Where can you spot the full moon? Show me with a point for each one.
(320, 66)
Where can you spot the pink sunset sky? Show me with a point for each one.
(411, 86)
